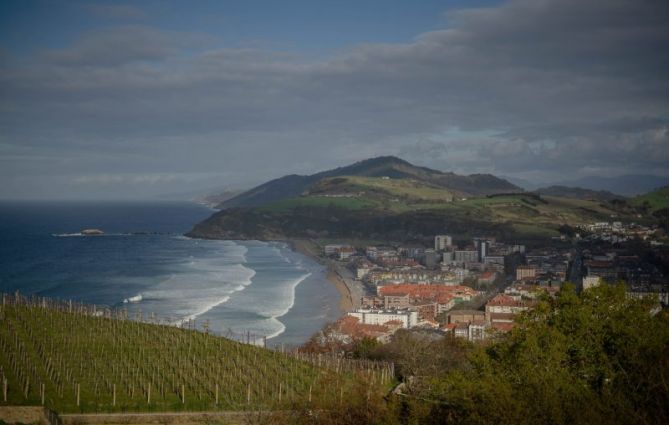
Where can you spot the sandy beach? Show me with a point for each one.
(310, 249)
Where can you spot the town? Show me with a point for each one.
(476, 289)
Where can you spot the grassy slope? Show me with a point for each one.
(407, 190)
(656, 200)
(526, 213)
(354, 207)
(62, 350)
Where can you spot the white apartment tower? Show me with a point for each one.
(441, 242)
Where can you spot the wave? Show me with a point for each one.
(282, 329)
(292, 295)
(83, 235)
(283, 312)
(137, 298)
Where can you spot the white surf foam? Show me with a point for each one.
(137, 298)
(198, 284)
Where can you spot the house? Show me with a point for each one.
(465, 316)
(504, 308)
(526, 273)
(407, 318)
(477, 330)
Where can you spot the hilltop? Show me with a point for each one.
(389, 199)
(385, 166)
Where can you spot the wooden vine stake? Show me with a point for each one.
(248, 394)
(4, 388)
(183, 394)
(148, 394)
(42, 391)
(114, 395)
(216, 394)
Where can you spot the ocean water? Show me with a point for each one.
(144, 264)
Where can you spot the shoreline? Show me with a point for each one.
(308, 248)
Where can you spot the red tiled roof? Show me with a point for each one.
(351, 326)
(503, 300)
(503, 327)
(426, 291)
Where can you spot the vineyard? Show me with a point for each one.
(76, 358)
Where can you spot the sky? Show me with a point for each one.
(145, 99)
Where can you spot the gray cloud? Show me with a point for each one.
(532, 87)
(115, 11)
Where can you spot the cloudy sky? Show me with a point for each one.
(140, 99)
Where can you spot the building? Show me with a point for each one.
(494, 263)
(396, 301)
(407, 318)
(442, 242)
(332, 249)
(465, 256)
(487, 278)
(482, 249)
(504, 308)
(591, 281)
(526, 273)
(519, 291)
(430, 258)
(477, 330)
(465, 316)
(461, 330)
(346, 252)
(362, 269)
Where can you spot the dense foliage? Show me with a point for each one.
(597, 357)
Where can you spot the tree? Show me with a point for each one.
(598, 357)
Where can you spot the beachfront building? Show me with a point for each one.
(407, 318)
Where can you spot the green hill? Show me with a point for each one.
(653, 201)
(292, 186)
(402, 210)
(78, 361)
(578, 193)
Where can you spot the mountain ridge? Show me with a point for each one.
(293, 185)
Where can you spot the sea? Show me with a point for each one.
(262, 292)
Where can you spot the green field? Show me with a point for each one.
(655, 200)
(405, 190)
(393, 209)
(406, 195)
(73, 361)
(320, 202)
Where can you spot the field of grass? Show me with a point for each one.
(322, 202)
(72, 360)
(405, 190)
(655, 200)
